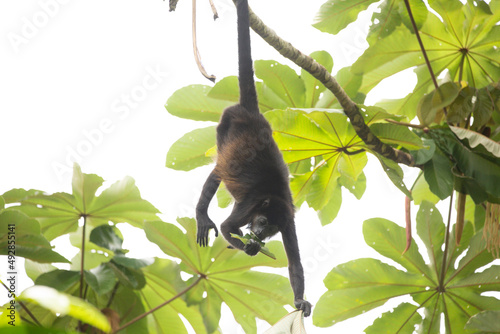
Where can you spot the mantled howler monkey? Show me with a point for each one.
(254, 172)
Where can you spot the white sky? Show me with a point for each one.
(74, 70)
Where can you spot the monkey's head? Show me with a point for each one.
(268, 215)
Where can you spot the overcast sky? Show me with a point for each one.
(87, 81)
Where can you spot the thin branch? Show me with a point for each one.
(159, 306)
(195, 48)
(82, 257)
(446, 244)
(320, 73)
(415, 30)
(422, 48)
(112, 294)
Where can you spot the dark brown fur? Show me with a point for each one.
(252, 169)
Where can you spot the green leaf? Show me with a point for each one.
(24, 329)
(84, 187)
(364, 284)
(35, 269)
(435, 101)
(486, 321)
(323, 184)
(394, 172)
(313, 86)
(132, 263)
(401, 320)
(283, 81)
(164, 283)
(227, 273)
(247, 237)
(462, 107)
(438, 175)
(398, 135)
(460, 41)
(425, 154)
(100, 279)
(192, 102)
(129, 277)
(61, 280)
(59, 213)
(420, 191)
(298, 136)
(485, 105)
(330, 211)
(21, 235)
(357, 188)
(389, 240)
(431, 230)
(228, 89)
(189, 152)
(106, 236)
(121, 203)
(474, 139)
(334, 16)
(63, 304)
(361, 285)
(486, 172)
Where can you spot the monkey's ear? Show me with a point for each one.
(266, 202)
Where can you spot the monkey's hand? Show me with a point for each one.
(252, 247)
(204, 225)
(303, 305)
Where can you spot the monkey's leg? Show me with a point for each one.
(295, 270)
(203, 222)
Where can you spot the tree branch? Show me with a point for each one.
(159, 306)
(320, 73)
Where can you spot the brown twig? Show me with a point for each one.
(417, 126)
(214, 10)
(197, 56)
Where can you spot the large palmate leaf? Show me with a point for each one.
(462, 41)
(163, 283)
(302, 137)
(59, 213)
(451, 290)
(219, 275)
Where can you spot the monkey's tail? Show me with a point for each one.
(248, 93)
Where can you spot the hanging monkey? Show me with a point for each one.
(254, 172)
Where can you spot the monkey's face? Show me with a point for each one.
(265, 221)
(261, 227)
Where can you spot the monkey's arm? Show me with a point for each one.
(232, 225)
(295, 270)
(204, 223)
